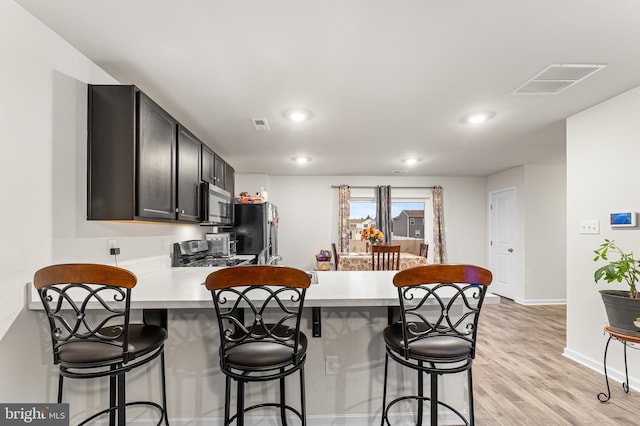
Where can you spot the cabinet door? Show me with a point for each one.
(218, 170)
(188, 176)
(229, 179)
(155, 193)
(208, 163)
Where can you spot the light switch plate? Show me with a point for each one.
(589, 226)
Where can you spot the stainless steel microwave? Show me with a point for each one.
(217, 207)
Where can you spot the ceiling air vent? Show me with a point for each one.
(556, 78)
(260, 124)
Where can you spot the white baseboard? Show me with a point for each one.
(532, 302)
(596, 365)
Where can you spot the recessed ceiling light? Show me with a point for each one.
(410, 161)
(301, 159)
(297, 115)
(477, 117)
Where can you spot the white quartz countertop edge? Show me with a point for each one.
(182, 288)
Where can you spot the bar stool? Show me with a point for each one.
(436, 334)
(87, 306)
(265, 343)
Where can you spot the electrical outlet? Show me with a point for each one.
(590, 227)
(331, 365)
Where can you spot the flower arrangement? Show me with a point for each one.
(371, 234)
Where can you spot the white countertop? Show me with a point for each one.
(182, 288)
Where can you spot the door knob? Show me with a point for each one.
(510, 250)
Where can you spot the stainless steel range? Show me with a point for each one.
(199, 253)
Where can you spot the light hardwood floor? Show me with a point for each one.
(521, 377)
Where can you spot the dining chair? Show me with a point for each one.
(436, 333)
(385, 258)
(259, 309)
(88, 309)
(424, 249)
(335, 256)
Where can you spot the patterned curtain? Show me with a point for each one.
(383, 211)
(439, 246)
(344, 195)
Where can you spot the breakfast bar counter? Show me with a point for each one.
(346, 314)
(183, 288)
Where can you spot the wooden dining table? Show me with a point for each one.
(362, 261)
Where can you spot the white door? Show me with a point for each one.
(503, 243)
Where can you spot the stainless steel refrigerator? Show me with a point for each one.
(256, 228)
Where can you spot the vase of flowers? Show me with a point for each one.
(372, 234)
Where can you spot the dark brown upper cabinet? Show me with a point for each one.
(188, 176)
(219, 169)
(229, 179)
(215, 170)
(208, 164)
(156, 161)
(142, 165)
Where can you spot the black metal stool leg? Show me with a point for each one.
(420, 397)
(283, 412)
(227, 399)
(384, 390)
(303, 402)
(60, 378)
(604, 397)
(113, 393)
(472, 420)
(164, 390)
(122, 408)
(434, 399)
(240, 409)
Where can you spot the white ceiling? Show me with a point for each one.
(384, 79)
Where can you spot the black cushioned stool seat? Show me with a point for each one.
(91, 342)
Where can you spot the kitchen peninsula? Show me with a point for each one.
(354, 311)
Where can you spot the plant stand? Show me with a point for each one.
(626, 340)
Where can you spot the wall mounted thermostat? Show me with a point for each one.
(622, 219)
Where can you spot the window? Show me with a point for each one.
(407, 231)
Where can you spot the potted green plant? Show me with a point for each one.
(622, 306)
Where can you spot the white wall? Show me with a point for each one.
(307, 206)
(602, 175)
(545, 230)
(43, 186)
(34, 119)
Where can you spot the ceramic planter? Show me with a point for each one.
(622, 311)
